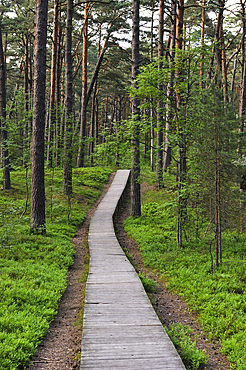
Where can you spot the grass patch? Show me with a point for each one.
(148, 284)
(192, 357)
(33, 268)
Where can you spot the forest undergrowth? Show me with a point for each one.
(33, 268)
(216, 294)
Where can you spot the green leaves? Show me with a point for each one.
(192, 357)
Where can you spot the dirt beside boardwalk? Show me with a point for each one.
(61, 346)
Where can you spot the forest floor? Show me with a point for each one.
(60, 348)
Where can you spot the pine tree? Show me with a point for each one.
(38, 187)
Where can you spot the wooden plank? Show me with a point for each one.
(120, 327)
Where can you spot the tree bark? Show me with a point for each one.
(242, 102)
(170, 88)
(67, 167)
(159, 139)
(202, 44)
(59, 59)
(135, 151)
(38, 188)
(52, 121)
(4, 134)
(181, 164)
(80, 158)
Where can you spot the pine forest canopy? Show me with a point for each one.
(187, 74)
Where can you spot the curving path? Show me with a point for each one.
(120, 327)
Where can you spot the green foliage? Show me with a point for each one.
(149, 285)
(192, 357)
(217, 295)
(33, 268)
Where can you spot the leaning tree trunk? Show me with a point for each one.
(135, 168)
(4, 135)
(38, 188)
(67, 167)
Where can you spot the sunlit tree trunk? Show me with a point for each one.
(152, 128)
(218, 249)
(135, 150)
(59, 60)
(170, 89)
(242, 103)
(67, 167)
(4, 135)
(159, 139)
(80, 159)
(181, 163)
(202, 44)
(38, 188)
(52, 120)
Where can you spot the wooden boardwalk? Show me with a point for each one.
(120, 328)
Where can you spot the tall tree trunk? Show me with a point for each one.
(26, 79)
(218, 34)
(118, 123)
(67, 167)
(135, 168)
(242, 103)
(52, 120)
(26, 125)
(80, 158)
(233, 77)
(4, 135)
(152, 129)
(59, 59)
(38, 188)
(92, 126)
(182, 169)
(159, 153)
(170, 88)
(202, 44)
(218, 249)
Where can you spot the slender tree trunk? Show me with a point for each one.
(26, 125)
(59, 60)
(38, 188)
(152, 128)
(182, 169)
(118, 123)
(80, 159)
(26, 79)
(135, 168)
(67, 167)
(233, 77)
(218, 249)
(52, 120)
(159, 139)
(170, 88)
(224, 70)
(202, 44)
(242, 103)
(4, 135)
(92, 127)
